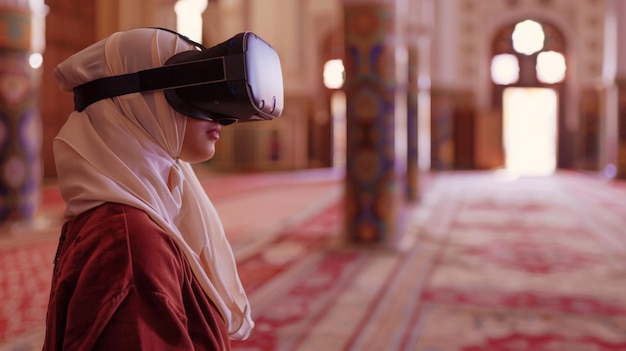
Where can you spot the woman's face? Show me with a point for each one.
(199, 141)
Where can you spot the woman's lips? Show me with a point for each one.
(214, 133)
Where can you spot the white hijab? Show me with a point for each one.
(125, 150)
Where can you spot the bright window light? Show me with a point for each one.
(530, 130)
(334, 74)
(189, 18)
(35, 60)
(550, 67)
(504, 69)
(528, 37)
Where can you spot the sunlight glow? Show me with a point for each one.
(530, 130)
(528, 37)
(189, 18)
(35, 60)
(550, 67)
(334, 74)
(338, 113)
(504, 69)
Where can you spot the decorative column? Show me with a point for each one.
(21, 44)
(375, 174)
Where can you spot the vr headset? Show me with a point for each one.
(239, 80)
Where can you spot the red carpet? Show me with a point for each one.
(487, 263)
(525, 264)
(24, 287)
(257, 211)
(495, 264)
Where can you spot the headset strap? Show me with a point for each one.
(184, 37)
(148, 80)
(166, 77)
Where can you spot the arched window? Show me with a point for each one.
(528, 69)
(528, 37)
(504, 69)
(528, 54)
(550, 67)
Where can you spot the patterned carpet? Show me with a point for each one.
(487, 262)
(254, 209)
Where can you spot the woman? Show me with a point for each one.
(143, 262)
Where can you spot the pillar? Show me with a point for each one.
(376, 134)
(412, 168)
(620, 83)
(615, 91)
(412, 122)
(21, 38)
(589, 129)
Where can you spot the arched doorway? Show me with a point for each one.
(528, 70)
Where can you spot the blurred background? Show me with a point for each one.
(382, 97)
(471, 66)
(530, 86)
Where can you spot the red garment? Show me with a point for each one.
(121, 283)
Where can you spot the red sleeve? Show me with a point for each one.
(145, 321)
(121, 283)
(152, 314)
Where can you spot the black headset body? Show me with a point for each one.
(238, 80)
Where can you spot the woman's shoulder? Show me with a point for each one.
(112, 259)
(115, 219)
(115, 225)
(111, 215)
(123, 233)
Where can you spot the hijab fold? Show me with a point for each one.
(125, 150)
